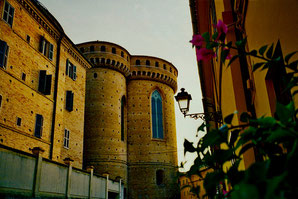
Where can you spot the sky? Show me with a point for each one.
(160, 28)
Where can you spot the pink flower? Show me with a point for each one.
(204, 54)
(222, 30)
(197, 40)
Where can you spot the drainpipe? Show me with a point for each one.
(55, 95)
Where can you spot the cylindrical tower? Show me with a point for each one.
(105, 139)
(152, 146)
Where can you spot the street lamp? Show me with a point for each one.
(183, 99)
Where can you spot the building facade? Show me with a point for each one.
(94, 102)
(238, 88)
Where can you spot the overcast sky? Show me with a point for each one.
(160, 28)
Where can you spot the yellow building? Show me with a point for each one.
(94, 102)
(130, 120)
(238, 88)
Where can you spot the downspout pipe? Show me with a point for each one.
(55, 95)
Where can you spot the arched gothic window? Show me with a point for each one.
(156, 112)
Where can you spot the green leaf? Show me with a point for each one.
(266, 122)
(288, 56)
(279, 135)
(285, 113)
(263, 49)
(224, 55)
(201, 127)
(273, 184)
(211, 45)
(233, 59)
(228, 119)
(245, 191)
(206, 36)
(270, 52)
(212, 180)
(244, 117)
(293, 65)
(188, 146)
(253, 52)
(214, 36)
(257, 65)
(234, 136)
(212, 138)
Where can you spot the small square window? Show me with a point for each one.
(23, 76)
(19, 121)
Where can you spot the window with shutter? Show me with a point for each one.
(38, 126)
(46, 48)
(157, 116)
(71, 70)
(3, 54)
(8, 13)
(69, 100)
(42, 81)
(45, 82)
(51, 51)
(66, 139)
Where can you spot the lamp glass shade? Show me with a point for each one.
(183, 105)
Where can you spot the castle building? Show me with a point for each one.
(93, 102)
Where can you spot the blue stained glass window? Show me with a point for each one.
(157, 118)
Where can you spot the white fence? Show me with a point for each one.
(23, 174)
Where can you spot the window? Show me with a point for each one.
(45, 82)
(147, 62)
(23, 76)
(103, 49)
(92, 60)
(97, 60)
(91, 48)
(19, 121)
(159, 177)
(82, 50)
(0, 101)
(122, 54)
(114, 50)
(164, 67)
(66, 139)
(71, 70)
(8, 13)
(46, 48)
(3, 54)
(28, 38)
(122, 117)
(69, 100)
(138, 62)
(157, 120)
(38, 126)
(156, 64)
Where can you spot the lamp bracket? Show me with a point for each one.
(208, 116)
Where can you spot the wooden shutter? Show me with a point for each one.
(3, 47)
(67, 67)
(51, 51)
(38, 126)
(42, 44)
(48, 85)
(69, 100)
(74, 77)
(42, 81)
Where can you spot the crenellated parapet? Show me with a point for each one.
(107, 55)
(155, 69)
